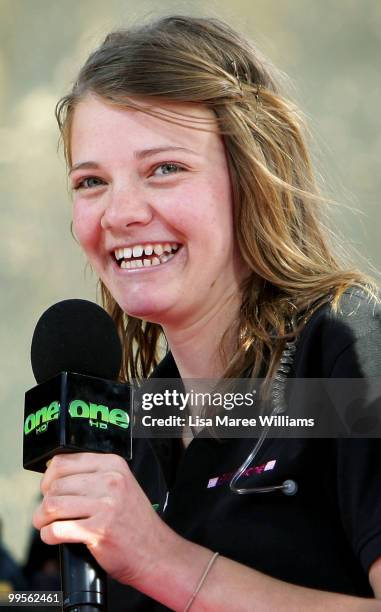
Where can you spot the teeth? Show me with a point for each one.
(136, 264)
(164, 251)
(164, 258)
(127, 253)
(158, 249)
(137, 251)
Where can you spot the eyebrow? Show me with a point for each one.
(137, 155)
(146, 152)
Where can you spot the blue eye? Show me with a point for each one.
(89, 183)
(172, 166)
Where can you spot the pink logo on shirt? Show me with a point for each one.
(217, 481)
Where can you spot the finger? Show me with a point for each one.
(57, 508)
(68, 532)
(91, 485)
(65, 465)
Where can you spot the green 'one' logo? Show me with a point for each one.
(39, 420)
(98, 415)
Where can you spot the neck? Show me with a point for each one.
(196, 346)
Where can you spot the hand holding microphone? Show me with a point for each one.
(77, 405)
(94, 499)
(90, 497)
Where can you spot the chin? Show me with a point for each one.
(147, 311)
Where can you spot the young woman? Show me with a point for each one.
(195, 203)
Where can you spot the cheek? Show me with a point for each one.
(86, 226)
(203, 210)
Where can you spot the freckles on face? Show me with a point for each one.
(140, 180)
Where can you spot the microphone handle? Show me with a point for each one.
(84, 582)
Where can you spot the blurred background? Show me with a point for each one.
(329, 49)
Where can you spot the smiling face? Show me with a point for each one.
(153, 210)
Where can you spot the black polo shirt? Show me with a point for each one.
(328, 534)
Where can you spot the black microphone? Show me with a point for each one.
(77, 406)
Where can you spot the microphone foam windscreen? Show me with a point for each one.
(76, 336)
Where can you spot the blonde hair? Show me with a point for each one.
(277, 205)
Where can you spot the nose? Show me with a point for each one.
(125, 206)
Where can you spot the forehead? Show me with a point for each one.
(96, 122)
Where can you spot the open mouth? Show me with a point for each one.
(146, 255)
